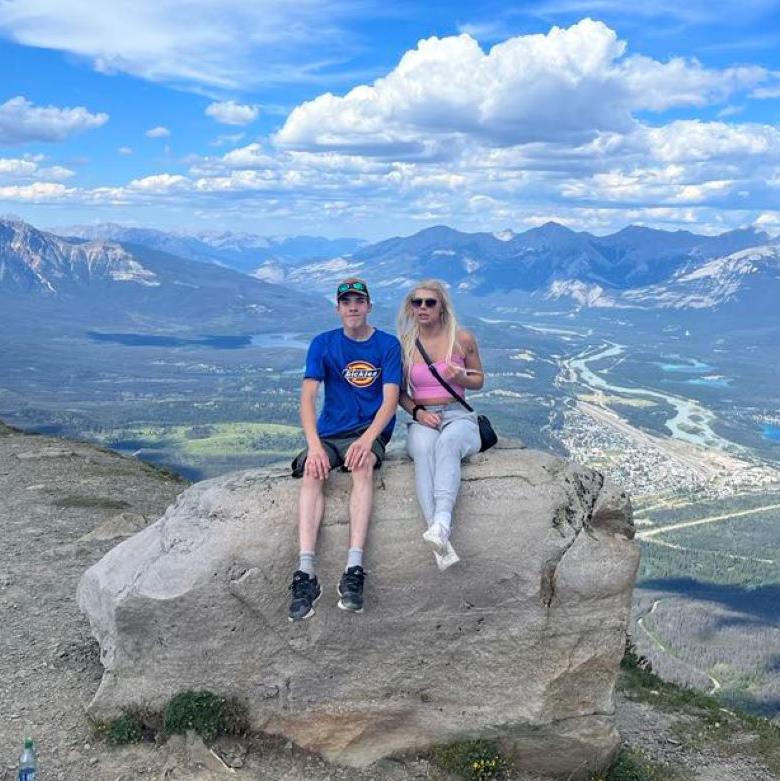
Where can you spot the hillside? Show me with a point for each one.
(67, 503)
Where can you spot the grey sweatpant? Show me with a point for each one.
(437, 454)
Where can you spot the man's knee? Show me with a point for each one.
(365, 472)
(310, 483)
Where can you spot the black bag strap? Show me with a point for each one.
(441, 379)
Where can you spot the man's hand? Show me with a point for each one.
(317, 462)
(358, 452)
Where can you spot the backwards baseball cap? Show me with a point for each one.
(352, 285)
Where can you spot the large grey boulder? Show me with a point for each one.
(520, 641)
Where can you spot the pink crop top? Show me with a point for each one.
(425, 386)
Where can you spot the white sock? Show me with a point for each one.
(306, 562)
(355, 558)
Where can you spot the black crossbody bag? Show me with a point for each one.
(487, 436)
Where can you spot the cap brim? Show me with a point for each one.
(339, 296)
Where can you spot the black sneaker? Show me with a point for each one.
(306, 591)
(351, 589)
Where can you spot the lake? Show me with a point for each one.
(771, 433)
(282, 341)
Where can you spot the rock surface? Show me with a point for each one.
(521, 641)
(51, 667)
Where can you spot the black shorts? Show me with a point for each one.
(336, 447)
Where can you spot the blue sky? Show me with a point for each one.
(374, 119)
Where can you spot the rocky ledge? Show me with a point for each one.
(521, 641)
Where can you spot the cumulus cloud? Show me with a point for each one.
(230, 113)
(538, 127)
(689, 140)
(158, 132)
(125, 150)
(22, 122)
(11, 168)
(28, 169)
(159, 183)
(38, 192)
(226, 46)
(566, 86)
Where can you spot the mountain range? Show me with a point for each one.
(102, 284)
(185, 278)
(239, 251)
(634, 268)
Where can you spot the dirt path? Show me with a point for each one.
(643, 535)
(716, 685)
(735, 556)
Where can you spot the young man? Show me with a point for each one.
(360, 368)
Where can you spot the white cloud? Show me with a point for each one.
(688, 140)
(770, 220)
(22, 122)
(230, 113)
(38, 192)
(125, 150)
(158, 132)
(27, 169)
(692, 12)
(658, 86)
(227, 46)
(566, 86)
(766, 93)
(730, 111)
(159, 183)
(16, 169)
(227, 139)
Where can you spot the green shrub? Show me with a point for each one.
(472, 760)
(206, 713)
(126, 729)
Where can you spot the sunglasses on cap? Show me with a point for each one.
(430, 303)
(351, 287)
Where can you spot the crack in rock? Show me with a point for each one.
(578, 518)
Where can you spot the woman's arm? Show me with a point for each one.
(472, 377)
(405, 402)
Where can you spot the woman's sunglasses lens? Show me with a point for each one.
(429, 302)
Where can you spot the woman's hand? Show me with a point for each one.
(430, 419)
(454, 372)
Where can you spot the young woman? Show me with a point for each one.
(442, 432)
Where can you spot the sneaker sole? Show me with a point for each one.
(309, 614)
(341, 604)
(435, 542)
(446, 561)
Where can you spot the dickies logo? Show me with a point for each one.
(361, 374)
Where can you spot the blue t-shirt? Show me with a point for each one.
(353, 374)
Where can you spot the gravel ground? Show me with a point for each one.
(57, 492)
(651, 729)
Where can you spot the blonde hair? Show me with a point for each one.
(409, 330)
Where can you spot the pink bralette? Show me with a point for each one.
(425, 386)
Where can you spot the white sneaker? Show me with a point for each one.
(448, 559)
(437, 537)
